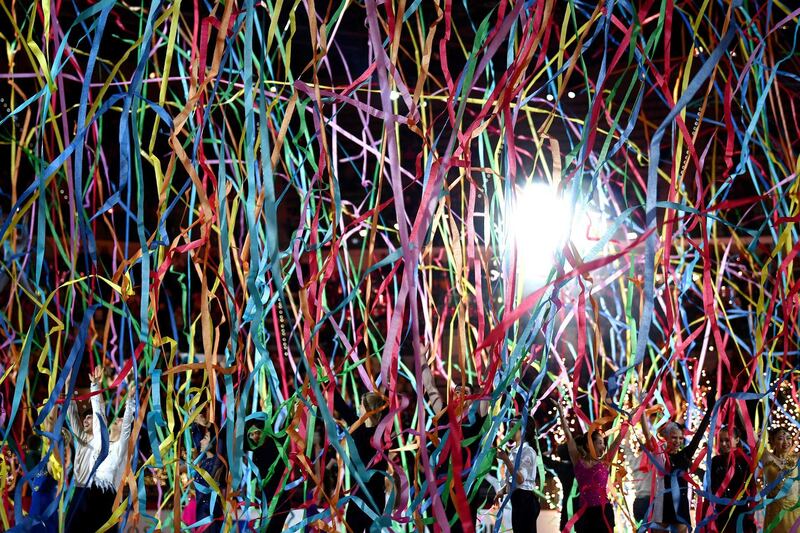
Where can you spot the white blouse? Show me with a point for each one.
(109, 473)
(85, 455)
(527, 466)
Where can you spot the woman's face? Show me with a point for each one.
(674, 440)
(781, 443)
(460, 395)
(599, 445)
(255, 435)
(727, 441)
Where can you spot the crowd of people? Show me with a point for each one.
(726, 479)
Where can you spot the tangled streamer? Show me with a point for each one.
(242, 209)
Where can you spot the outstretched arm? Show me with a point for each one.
(618, 439)
(76, 424)
(644, 422)
(620, 434)
(98, 404)
(503, 456)
(434, 397)
(571, 446)
(691, 449)
(127, 418)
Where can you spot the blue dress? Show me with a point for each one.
(44, 489)
(204, 492)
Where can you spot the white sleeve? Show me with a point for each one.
(98, 413)
(76, 423)
(122, 444)
(527, 463)
(127, 418)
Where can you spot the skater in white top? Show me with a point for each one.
(109, 474)
(86, 430)
(522, 481)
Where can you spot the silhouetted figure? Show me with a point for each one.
(208, 503)
(270, 470)
(470, 423)
(730, 479)
(373, 406)
(565, 473)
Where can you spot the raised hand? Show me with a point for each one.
(560, 409)
(96, 376)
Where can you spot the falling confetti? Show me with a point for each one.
(245, 207)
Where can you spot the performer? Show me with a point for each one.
(525, 506)
(679, 464)
(373, 407)
(109, 473)
(209, 462)
(270, 467)
(471, 425)
(87, 440)
(648, 507)
(730, 476)
(643, 489)
(44, 485)
(781, 474)
(591, 472)
(566, 476)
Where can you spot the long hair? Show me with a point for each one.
(774, 432)
(582, 441)
(670, 427)
(531, 433)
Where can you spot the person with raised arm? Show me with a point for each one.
(471, 436)
(87, 440)
(680, 459)
(373, 409)
(261, 441)
(108, 477)
(648, 506)
(525, 506)
(592, 468)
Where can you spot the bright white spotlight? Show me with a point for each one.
(539, 226)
